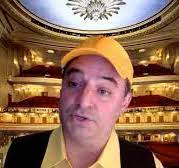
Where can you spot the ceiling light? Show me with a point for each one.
(95, 9)
(144, 62)
(142, 50)
(49, 63)
(50, 51)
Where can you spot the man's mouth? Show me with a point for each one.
(80, 118)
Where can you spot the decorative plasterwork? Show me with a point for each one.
(27, 127)
(156, 79)
(35, 80)
(95, 9)
(57, 82)
(147, 126)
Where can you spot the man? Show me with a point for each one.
(95, 91)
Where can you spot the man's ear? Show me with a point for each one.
(126, 102)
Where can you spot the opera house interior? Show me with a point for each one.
(35, 35)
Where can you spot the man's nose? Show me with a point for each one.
(86, 97)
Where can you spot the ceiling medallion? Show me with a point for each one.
(95, 9)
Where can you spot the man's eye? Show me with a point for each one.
(104, 92)
(72, 84)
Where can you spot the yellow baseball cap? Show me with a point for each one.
(106, 47)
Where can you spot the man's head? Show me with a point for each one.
(94, 90)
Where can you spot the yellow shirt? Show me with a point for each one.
(55, 156)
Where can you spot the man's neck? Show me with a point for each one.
(84, 153)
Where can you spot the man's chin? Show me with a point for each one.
(83, 135)
(81, 132)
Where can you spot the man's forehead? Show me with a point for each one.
(90, 60)
(109, 78)
(95, 64)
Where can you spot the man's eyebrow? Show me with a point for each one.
(72, 70)
(111, 79)
(75, 70)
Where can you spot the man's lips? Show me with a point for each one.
(80, 117)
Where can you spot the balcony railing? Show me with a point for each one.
(152, 109)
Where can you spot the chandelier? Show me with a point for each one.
(95, 9)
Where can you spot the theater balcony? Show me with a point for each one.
(39, 75)
(151, 70)
(147, 74)
(151, 113)
(32, 114)
(150, 118)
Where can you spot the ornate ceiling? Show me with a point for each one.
(86, 13)
(83, 18)
(51, 24)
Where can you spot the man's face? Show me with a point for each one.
(92, 97)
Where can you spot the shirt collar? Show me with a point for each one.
(56, 156)
(110, 157)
